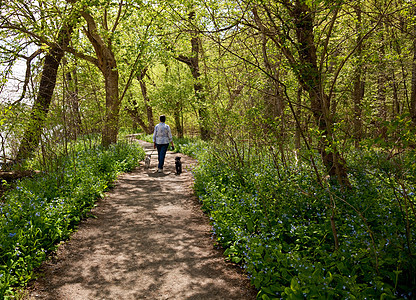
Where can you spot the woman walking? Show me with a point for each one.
(162, 136)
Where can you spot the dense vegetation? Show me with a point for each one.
(306, 110)
(38, 213)
(298, 239)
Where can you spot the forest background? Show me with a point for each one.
(304, 111)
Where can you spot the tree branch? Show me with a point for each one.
(27, 75)
(353, 51)
(83, 56)
(117, 21)
(184, 59)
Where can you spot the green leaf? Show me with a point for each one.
(330, 276)
(236, 259)
(294, 284)
(250, 225)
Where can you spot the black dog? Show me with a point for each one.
(178, 165)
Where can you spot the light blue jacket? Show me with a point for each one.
(162, 134)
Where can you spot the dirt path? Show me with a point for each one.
(149, 240)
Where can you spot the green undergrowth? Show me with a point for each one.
(281, 227)
(188, 146)
(38, 213)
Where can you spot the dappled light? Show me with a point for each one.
(298, 115)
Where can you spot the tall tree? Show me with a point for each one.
(133, 109)
(413, 84)
(358, 87)
(381, 87)
(308, 70)
(107, 64)
(47, 84)
(149, 110)
(193, 63)
(71, 86)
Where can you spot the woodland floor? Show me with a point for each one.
(148, 239)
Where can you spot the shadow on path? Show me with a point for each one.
(148, 240)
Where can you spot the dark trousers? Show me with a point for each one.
(161, 153)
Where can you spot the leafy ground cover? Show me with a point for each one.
(297, 239)
(40, 212)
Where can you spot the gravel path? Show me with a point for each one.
(148, 240)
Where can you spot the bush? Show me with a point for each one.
(190, 146)
(40, 212)
(275, 221)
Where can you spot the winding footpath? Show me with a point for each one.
(148, 239)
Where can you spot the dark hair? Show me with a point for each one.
(162, 118)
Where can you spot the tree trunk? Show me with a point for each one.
(134, 113)
(305, 66)
(193, 64)
(310, 78)
(381, 91)
(137, 120)
(112, 104)
(75, 116)
(358, 92)
(413, 93)
(298, 112)
(178, 122)
(396, 102)
(108, 67)
(274, 104)
(149, 110)
(43, 100)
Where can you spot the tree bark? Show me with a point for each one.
(381, 91)
(73, 99)
(310, 78)
(358, 91)
(413, 93)
(149, 110)
(274, 103)
(43, 99)
(108, 67)
(396, 103)
(134, 113)
(193, 64)
(298, 112)
(112, 105)
(178, 120)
